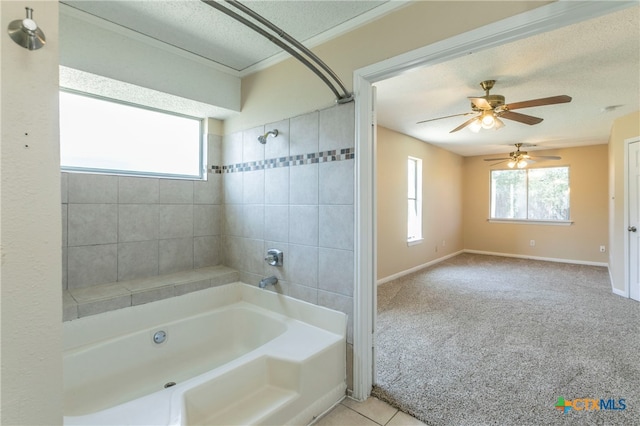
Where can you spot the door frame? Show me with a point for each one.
(542, 19)
(626, 292)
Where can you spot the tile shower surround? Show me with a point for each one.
(119, 228)
(295, 193)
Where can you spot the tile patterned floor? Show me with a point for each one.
(371, 412)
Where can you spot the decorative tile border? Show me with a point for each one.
(290, 161)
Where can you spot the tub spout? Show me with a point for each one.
(268, 281)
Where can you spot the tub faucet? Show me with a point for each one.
(268, 281)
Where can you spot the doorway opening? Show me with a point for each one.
(542, 19)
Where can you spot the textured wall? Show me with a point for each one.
(31, 342)
(441, 203)
(271, 94)
(580, 241)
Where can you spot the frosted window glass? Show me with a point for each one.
(104, 136)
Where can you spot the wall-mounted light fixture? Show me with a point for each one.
(26, 33)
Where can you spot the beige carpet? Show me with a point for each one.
(484, 340)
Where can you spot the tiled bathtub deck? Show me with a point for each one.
(93, 300)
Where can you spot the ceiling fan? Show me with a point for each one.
(488, 110)
(521, 159)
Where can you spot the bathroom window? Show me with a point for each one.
(107, 136)
(414, 206)
(540, 194)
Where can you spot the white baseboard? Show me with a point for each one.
(615, 290)
(619, 292)
(416, 268)
(547, 259)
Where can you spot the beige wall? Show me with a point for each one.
(578, 242)
(289, 88)
(461, 187)
(623, 128)
(442, 203)
(30, 236)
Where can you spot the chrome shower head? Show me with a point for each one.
(263, 138)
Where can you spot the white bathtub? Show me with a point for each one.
(238, 355)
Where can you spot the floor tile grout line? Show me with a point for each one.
(367, 417)
(359, 413)
(392, 417)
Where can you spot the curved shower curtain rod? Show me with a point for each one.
(341, 98)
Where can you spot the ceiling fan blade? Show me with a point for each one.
(463, 125)
(499, 162)
(522, 118)
(446, 116)
(498, 159)
(546, 157)
(538, 102)
(480, 103)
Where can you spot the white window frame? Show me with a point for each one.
(414, 236)
(527, 220)
(201, 175)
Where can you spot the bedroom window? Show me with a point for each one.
(539, 195)
(106, 136)
(414, 184)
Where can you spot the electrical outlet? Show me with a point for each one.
(532, 243)
(603, 249)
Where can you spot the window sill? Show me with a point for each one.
(129, 173)
(533, 222)
(415, 242)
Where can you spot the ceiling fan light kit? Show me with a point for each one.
(489, 109)
(521, 159)
(520, 163)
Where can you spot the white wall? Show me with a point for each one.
(30, 235)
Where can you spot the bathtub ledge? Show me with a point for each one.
(82, 302)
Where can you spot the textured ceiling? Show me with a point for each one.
(196, 27)
(596, 62)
